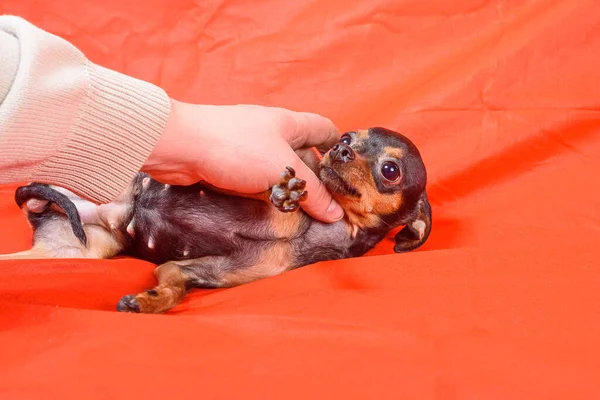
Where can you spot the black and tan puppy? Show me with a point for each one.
(202, 237)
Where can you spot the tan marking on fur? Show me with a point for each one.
(274, 261)
(170, 289)
(362, 134)
(364, 212)
(101, 243)
(56, 240)
(394, 152)
(34, 253)
(285, 225)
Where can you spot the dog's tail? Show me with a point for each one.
(41, 191)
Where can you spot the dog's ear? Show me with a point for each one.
(417, 228)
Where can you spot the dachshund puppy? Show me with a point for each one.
(204, 237)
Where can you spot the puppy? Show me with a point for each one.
(204, 237)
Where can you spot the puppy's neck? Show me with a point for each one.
(357, 217)
(356, 222)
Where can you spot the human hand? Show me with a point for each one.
(243, 148)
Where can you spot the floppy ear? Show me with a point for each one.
(417, 229)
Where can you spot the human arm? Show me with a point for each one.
(69, 122)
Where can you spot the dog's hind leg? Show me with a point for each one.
(176, 277)
(172, 287)
(54, 238)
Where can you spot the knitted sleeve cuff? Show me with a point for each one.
(72, 123)
(9, 62)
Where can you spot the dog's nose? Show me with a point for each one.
(342, 152)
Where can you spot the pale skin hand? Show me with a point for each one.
(241, 148)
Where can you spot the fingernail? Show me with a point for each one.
(335, 211)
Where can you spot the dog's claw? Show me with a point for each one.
(128, 304)
(289, 192)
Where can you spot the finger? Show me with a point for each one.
(311, 130)
(310, 158)
(319, 203)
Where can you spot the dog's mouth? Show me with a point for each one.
(334, 182)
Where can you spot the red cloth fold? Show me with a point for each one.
(502, 302)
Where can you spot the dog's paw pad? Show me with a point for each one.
(289, 192)
(128, 304)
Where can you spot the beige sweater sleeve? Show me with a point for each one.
(69, 122)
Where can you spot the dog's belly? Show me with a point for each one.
(160, 223)
(171, 223)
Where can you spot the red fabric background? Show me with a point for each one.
(503, 301)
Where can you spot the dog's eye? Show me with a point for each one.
(346, 139)
(390, 171)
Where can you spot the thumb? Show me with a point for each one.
(319, 203)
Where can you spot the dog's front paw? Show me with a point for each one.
(289, 192)
(128, 304)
